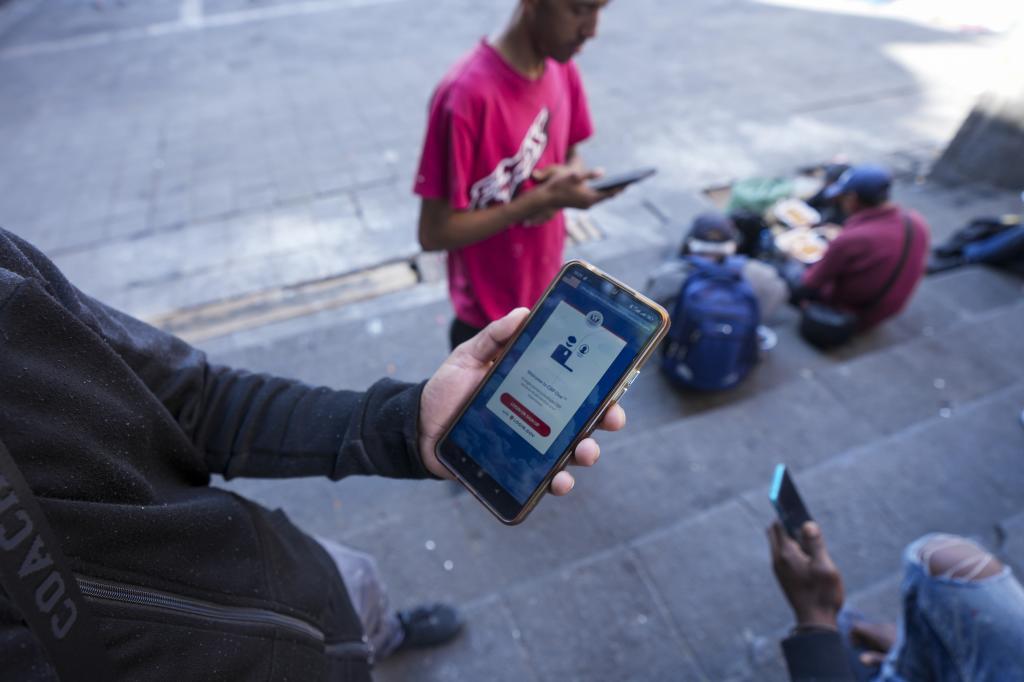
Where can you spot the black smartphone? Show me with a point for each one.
(576, 354)
(622, 179)
(787, 502)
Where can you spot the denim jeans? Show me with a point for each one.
(954, 630)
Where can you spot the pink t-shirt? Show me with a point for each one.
(490, 127)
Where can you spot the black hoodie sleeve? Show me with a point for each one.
(247, 424)
(817, 657)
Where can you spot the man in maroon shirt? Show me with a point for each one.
(881, 244)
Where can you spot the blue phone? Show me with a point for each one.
(787, 502)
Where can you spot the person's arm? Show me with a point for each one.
(246, 424)
(254, 425)
(814, 589)
(441, 228)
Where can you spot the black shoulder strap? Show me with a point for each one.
(40, 584)
(908, 237)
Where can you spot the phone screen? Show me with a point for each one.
(579, 344)
(788, 504)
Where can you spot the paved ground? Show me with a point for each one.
(172, 154)
(275, 142)
(656, 567)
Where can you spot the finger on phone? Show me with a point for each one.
(811, 540)
(785, 548)
(614, 418)
(485, 345)
(774, 541)
(562, 483)
(587, 453)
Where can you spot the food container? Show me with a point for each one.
(795, 213)
(803, 244)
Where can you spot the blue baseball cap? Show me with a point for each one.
(868, 181)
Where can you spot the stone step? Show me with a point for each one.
(651, 522)
(810, 416)
(696, 600)
(959, 475)
(699, 582)
(805, 421)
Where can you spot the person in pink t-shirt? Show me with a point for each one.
(499, 161)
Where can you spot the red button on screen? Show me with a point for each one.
(529, 418)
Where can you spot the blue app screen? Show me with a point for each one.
(577, 347)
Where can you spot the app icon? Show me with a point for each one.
(563, 352)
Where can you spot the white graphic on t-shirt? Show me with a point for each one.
(501, 185)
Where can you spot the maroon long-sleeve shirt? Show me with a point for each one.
(863, 257)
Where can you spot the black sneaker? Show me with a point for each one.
(429, 625)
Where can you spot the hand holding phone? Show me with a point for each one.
(559, 376)
(800, 560)
(460, 375)
(567, 187)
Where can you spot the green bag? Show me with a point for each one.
(757, 195)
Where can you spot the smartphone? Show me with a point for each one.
(577, 353)
(787, 502)
(622, 179)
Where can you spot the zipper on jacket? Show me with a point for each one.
(133, 595)
(140, 596)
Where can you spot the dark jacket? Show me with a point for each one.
(817, 657)
(117, 427)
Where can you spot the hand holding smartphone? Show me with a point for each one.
(788, 504)
(575, 355)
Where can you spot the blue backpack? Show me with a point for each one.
(712, 344)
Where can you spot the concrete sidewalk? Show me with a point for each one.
(172, 154)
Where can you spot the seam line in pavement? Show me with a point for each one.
(858, 99)
(663, 610)
(520, 645)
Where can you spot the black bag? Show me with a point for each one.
(825, 327)
(977, 230)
